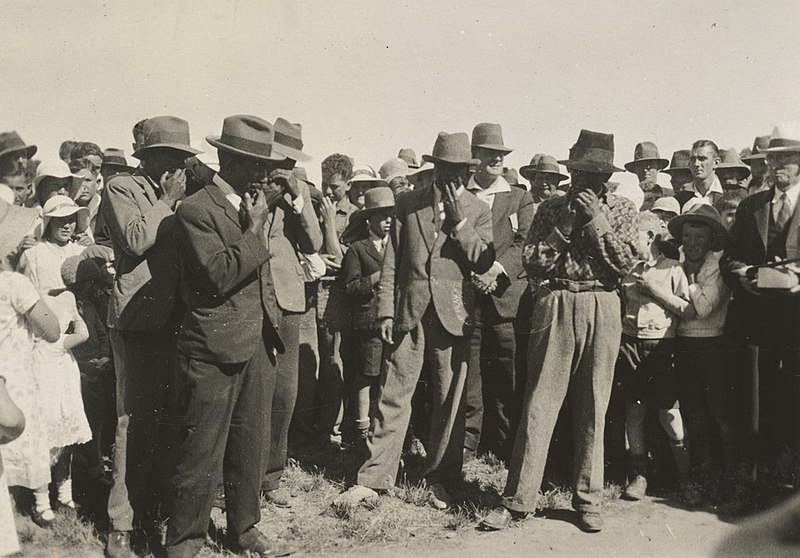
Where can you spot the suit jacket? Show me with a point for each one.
(512, 215)
(765, 320)
(290, 234)
(225, 281)
(361, 260)
(144, 295)
(423, 265)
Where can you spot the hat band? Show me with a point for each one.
(158, 137)
(288, 141)
(15, 145)
(250, 146)
(595, 154)
(547, 168)
(783, 142)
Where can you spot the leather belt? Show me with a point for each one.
(575, 286)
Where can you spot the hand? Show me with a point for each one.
(331, 265)
(257, 212)
(587, 205)
(102, 362)
(327, 210)
(286, 180)
(83, 239)
(174, 186)
(452, 206)
(487, 282)
(647, 285)
(750, 285)
(566, 219)
(386, 326)
(28, 241)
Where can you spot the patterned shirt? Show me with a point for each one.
(604, 249)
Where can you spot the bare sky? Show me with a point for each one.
(368, 77)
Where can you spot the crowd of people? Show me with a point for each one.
(177, 327)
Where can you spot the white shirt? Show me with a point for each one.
(487, 195)
(379, 243)
(792, 193)
(236, 200)
(716, 186)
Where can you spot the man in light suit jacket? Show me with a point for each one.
(441, 234)
(228, 349)
(498, 342)
(144, 315)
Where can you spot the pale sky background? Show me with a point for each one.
(366, 78)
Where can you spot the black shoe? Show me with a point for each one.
(497, 520)
(254, 542)
(118, 545)
(590, 522)
(39, 520)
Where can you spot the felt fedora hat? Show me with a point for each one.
(759, 145)
(247, 136)
(646, 151)
(165, 131)
(785, 137)
(113, 157)
(64, 206)
(542, 163)
(489, 135)
(10, 142)
(453, 149)
(729, 159)
(700, 213)
(375, 199)
(679, 162)
(301, 174)
(289, 140)
(409, 156)
(394, 168)
(593, 152)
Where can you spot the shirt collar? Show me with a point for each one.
(227, 191)
(792, 193)
(376, 240)
(500, 184)
(716, 186)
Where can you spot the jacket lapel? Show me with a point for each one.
(426, 218)
(502, 200)
(222, 201)
(373, 252)
(793, 234)
(761, 218)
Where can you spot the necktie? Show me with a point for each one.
(242, 215)
(783, 213)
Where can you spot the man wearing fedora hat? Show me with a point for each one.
(756, 160)
(492, 376)
(646, 165)
(705, 186)
(230, 345)
(14, 157)
(578, 249)
(733, 174)
(440, 236)
(544, 175)
(678, 170)
(767, 229)
(144, 318)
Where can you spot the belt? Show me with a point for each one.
(575, 286)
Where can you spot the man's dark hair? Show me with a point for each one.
(706, 143)
(66, 150)
(337, 164)
(86, 148)
(730, 199)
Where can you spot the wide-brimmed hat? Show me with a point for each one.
(301, 174)
(544, 164)
(54, 168)
(453, 149)
(63, 206)
(363, 173)
(10, 142)
(409, 156)
(289, 140)
(425, 167)
(646, 151)
(759, 145)
(394, 168)
(703, 213)
(489, 135)
(785, 137)
(593, 152)
(248, 136)
(667, 204)
(679, 162)
(729, 159)
(375, 200)
(114, 157)
(165, 131)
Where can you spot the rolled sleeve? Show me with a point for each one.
(598, 227)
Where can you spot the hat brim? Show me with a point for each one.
(781, 149)
(743, 169)
(434, 160)
(590, 166)
(675, 227)
(366, 212)
(75, 179)
(394, 175)
(189, 150)
(664, 163)
(289, 153)
(755, 157)
(374, 181)
(82, 212)
(428, 167)
(215, 142)
(676, 170)
(30, 151)
(501, 148)
(529, 171)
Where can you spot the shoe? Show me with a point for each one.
(280, 497)
(355, 495)
(439, 497)
(64, 506)
(43, 519)
(636, 489)
(417, 449)
(118, 545)
(497, 520)
(590, 522)
(254, 543)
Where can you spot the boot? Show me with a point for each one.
(637, 487)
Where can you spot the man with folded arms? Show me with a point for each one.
(578, 249)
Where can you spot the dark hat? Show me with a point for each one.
(453, 149)
(165, 131)
(679, 162)
(593, 152)
(645, 151)
(759, 145)
(407, 154)
(10, 142)
(375, 199)
(703, 213)
(730, 160)
(289, 140)
(247, 136)
(542, 163)
(78, 269)
(489, 136)
(113, 157)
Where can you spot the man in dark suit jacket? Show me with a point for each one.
(144, 316)
(493, 385)
(227, 351)
(767, 228)
(440, 236)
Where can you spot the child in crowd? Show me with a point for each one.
(362, 352)
(654, 296)
(12, 423)
(728, 203)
